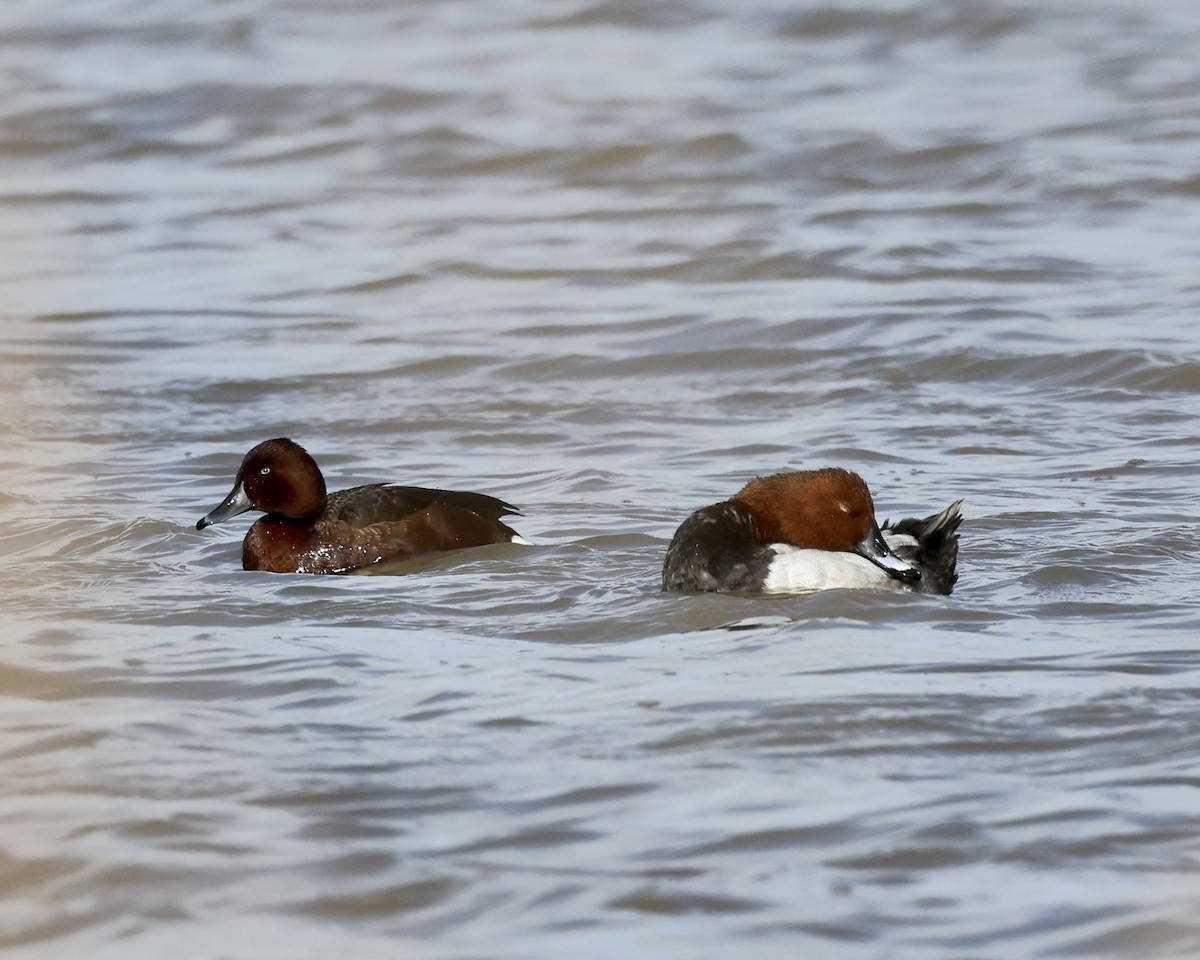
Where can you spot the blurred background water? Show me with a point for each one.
(607, 260)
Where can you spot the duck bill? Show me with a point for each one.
(237, 502)
(874, 548)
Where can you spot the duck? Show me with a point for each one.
(307, 530)
(805, 530)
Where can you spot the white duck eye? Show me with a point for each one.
(265, 470)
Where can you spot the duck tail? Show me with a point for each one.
(936, 550)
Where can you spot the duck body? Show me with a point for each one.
(801, 531)
(306, 530)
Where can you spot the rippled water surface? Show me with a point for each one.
(607, 260)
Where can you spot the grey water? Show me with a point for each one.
(608, 261)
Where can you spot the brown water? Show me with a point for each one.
(607, 261)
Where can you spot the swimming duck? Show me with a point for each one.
(805, 530)
(306, 530)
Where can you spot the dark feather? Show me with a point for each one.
(936, 549)
(715, 549)
(389, 503)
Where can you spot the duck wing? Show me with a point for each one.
(391, 503)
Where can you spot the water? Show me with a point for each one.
(606, 261)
